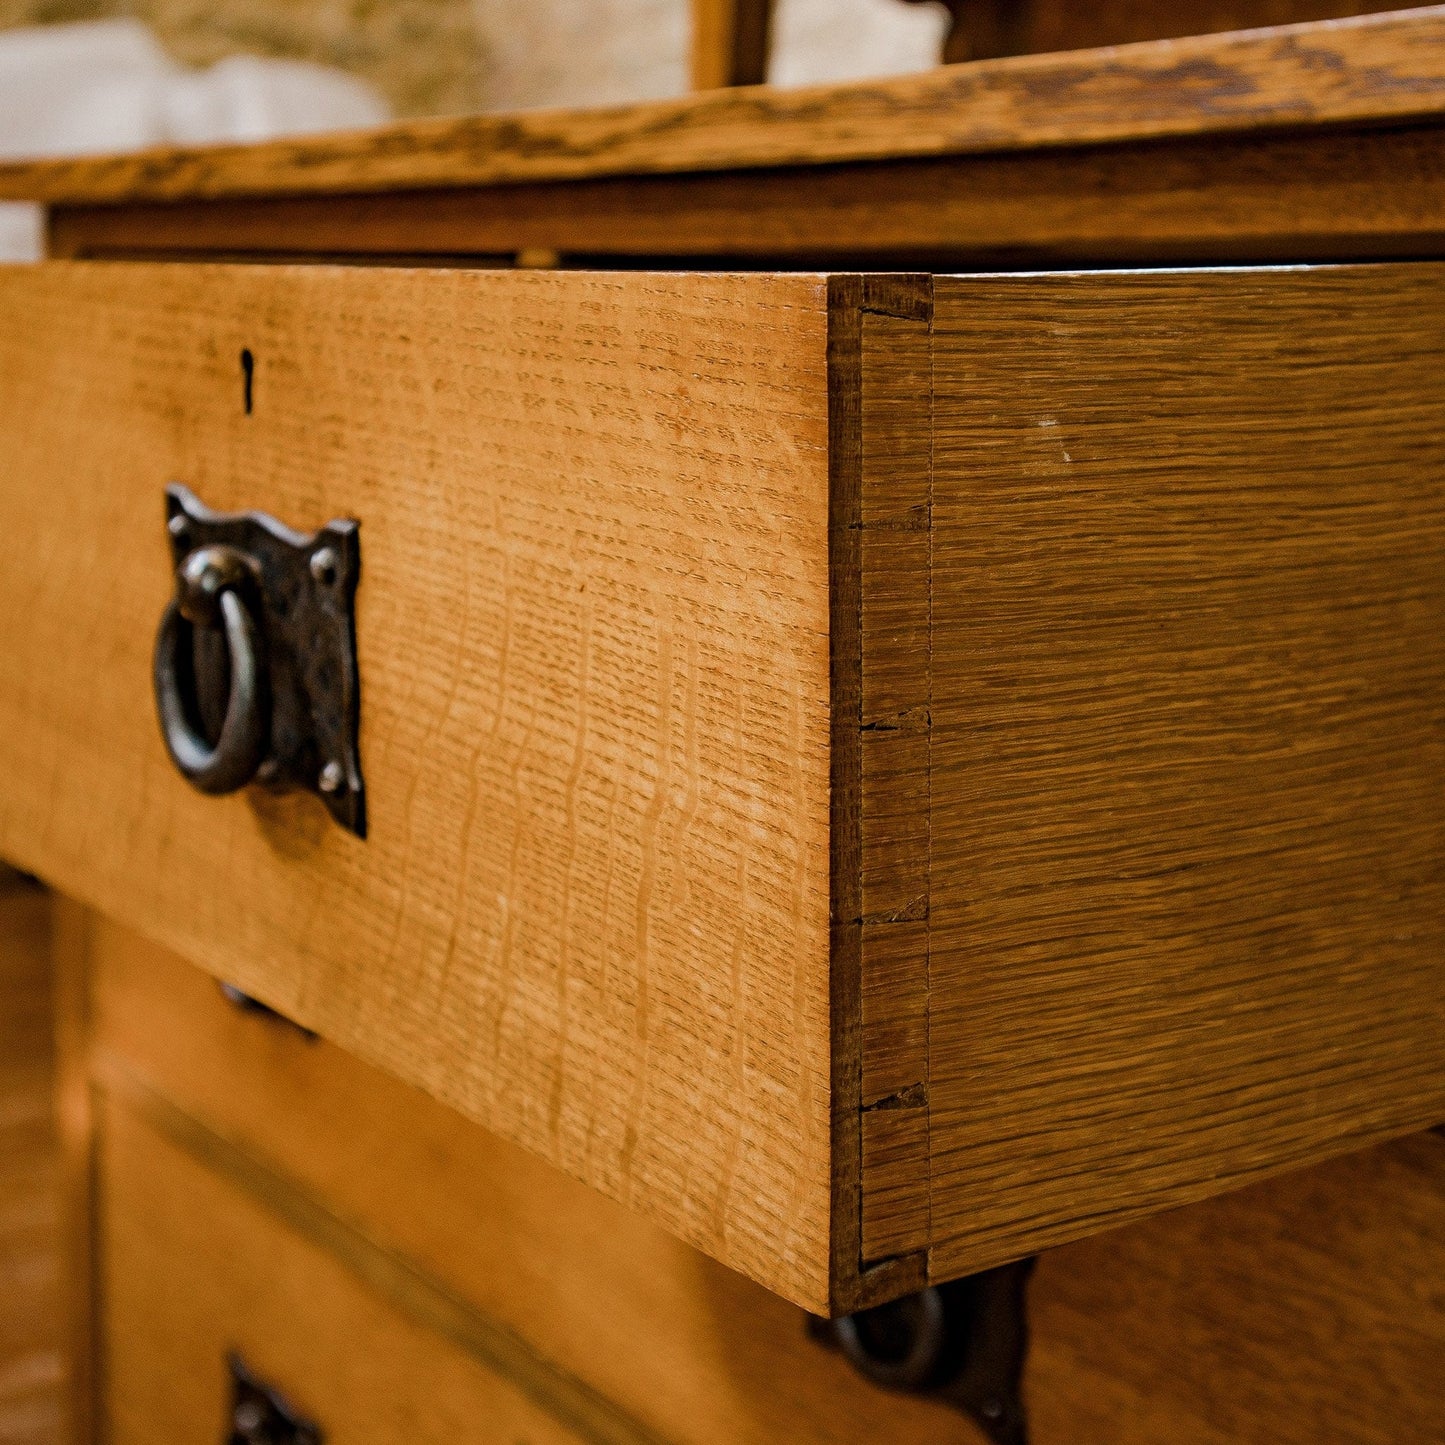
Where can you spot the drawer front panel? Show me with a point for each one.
(592, 908)
(850, 851)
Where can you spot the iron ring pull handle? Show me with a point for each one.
(211, 584)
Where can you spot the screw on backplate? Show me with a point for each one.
(249, 1417)
(323, 566)
(331, 778)
(201, 579)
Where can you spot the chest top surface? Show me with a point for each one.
(1369, 71)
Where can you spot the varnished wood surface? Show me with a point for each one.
(193, 1269)
(592, 910)
(1187, 915)
(76, 1130)
(1309, 1309)
(695, 1353)
(1172, 926)
(1372, 70)
(31, 1375)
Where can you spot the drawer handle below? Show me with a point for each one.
(962, 1343)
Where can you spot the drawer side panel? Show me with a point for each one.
(1187, 919)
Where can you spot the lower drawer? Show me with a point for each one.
(30, 1354)
(1302, 1310)
(197, 1274)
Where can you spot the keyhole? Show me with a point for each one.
(248, 374)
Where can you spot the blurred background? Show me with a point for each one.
(79, 76)
(438, 57)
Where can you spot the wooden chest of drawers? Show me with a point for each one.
(880, 771)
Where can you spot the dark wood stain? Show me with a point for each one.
(1188, 847)
(1320, 195)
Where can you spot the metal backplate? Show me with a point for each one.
(306, 587)
(963, 1343)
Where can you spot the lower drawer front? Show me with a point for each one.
(196, 1273)
(30, 1234)
(578, 1299)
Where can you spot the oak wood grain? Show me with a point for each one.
(195, 1268)
(592, 910)
(1188, 842)
(74, 1113)
(1152, 641)
(1371, 69)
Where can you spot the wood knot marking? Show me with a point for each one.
(915, 1096)
(916, 911)
(910, 720)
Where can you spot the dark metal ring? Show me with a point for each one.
(920, 1323)
(241, 747)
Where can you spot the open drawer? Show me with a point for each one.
(882, 774)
